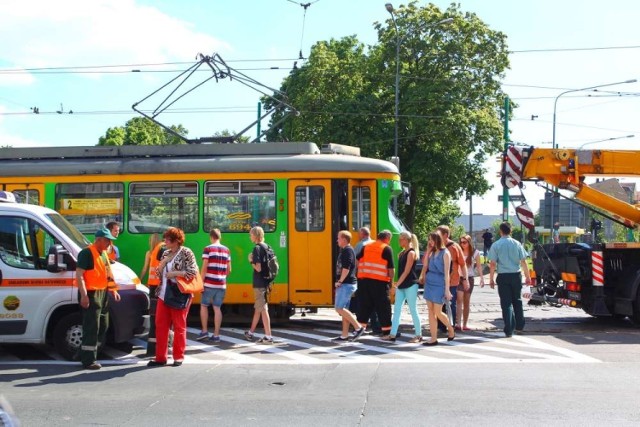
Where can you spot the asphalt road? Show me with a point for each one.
(568, 369)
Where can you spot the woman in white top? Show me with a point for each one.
(474, 268)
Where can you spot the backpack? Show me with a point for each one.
(269, 267)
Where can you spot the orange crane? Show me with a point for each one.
(601, 278)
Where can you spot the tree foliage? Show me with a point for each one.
(450, 103)
(142, 131)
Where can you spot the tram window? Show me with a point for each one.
(236, 206)
(90, 206)
(360, 207)
(155, 206)
(30, 197)
(310, 208)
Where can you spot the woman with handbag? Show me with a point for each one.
(177, 261)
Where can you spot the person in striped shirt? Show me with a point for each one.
(216, 266)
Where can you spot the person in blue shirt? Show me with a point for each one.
(509, 257)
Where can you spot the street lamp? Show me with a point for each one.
(391, 11)
(606, 139)
(555, 106)
(555, 103)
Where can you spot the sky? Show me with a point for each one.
(83, 63)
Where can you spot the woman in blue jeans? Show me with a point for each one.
(406, 288)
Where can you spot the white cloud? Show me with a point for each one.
(41, 33)
(16, 79)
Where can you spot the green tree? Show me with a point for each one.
(142, 131)
(113, 136)
(449, 107)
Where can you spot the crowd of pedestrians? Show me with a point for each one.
(366, 286)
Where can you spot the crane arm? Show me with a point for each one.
(568, 168)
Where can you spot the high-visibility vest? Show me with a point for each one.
(111, 253)
(101, 276)
(372, 265)
(154, 279)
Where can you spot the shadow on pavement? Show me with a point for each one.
(47, 374)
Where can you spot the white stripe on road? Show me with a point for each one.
(465, 349)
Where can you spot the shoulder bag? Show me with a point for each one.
(190, 286)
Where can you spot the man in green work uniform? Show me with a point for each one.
(94, 279)
(509, 256)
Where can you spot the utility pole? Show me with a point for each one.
(505, 190)
(259, 117)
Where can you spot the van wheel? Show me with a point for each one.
(67, 335)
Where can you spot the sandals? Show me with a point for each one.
(390, 338)
(416, 339)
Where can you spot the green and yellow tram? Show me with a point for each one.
(301, 195)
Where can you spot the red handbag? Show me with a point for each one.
(190, 286)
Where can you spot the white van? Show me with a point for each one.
(38, 292)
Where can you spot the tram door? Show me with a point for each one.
(362, 207)
(310, 242)
(32, 194)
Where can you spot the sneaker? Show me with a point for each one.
(248, 335)
(202, 336)
(415, 339)
(519, 332)
(93, 367)
(265, 340)
(340, 339)
(214, 339)
(357, 334)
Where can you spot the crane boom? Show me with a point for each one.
(568, 168)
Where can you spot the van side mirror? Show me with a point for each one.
(59, 259)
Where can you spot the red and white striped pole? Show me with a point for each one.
(597, 274)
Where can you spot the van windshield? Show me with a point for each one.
(72, 232)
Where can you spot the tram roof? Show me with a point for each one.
(192, 158)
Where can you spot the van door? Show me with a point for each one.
(310, 243)
(362, 207)
(28, 292)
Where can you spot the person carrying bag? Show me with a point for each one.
(178, 264)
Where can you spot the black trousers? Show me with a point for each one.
(374, 297)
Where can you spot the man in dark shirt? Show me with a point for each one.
(346, 284)
(375, 272)
(260, 288)
(487, 238)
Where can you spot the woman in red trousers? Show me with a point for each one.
(173, 306)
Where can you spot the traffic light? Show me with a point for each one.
(595, 224)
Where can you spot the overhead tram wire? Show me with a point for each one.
(305, 6)
(80, 67)
(574, 49)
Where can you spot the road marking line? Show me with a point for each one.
(386, 350)
(574, 355)
(270, 348)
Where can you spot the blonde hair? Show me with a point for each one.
(257, 232)
(413, 242)
(154, 239)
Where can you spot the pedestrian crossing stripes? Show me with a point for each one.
(316, 347)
